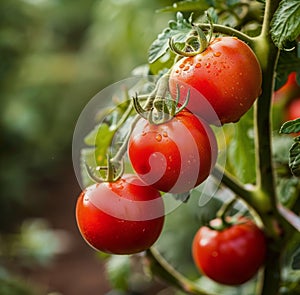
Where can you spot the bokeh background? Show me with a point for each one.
(55, 55)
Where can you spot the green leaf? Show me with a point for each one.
(178, 29)
(285, 23)
(187, 5)
(287, 189)
(288, 62)
(289, 127)
(294, 162)
(241, 154)
(118, 270)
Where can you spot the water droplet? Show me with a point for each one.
(217, 54)
(165, 134)
(208, 65)
(186, 68)
(119, 186)
(177, 71)
(158, 137)
(198, 65)
(182, 66)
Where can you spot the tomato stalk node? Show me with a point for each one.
(195, 43)
(114, 171)
(159, 108)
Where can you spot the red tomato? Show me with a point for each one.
(122, 217)
(231, 256)
(293, 110)
(288, 91)
(175, 156)
(224, 80)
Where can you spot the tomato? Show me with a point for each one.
(231, 256)
(174, 156)
(121, 217)
(288, 91)
(293, 110)
(224, 80)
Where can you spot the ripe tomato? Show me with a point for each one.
(121, 217)
(293, 110)
(174, 156)
(224, 80)
(231, 256)
(290, 90)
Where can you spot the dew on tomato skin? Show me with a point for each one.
(198, 65)
(158, 137)
(186, 68)
(177, 71)
(165, 134)
(208, 65)
(182, 66)
(217, 54)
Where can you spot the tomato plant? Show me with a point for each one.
(232, 255)
(121, 217)
(226, 74)
(209, 69)
(174, 156)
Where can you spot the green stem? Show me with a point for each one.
(159, 266)
(267, 54)
(234, 184)
(227, 31)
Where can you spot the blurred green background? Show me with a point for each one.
(55, 55)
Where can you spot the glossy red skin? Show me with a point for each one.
(127, 228)
(231, 256)
(225, 79)
(293, 112)
(181, 151)
(293, 109)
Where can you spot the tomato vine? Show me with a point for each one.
(181, 42)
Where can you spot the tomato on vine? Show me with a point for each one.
(174, 156)
(289, 91)
(121, 217)
(224, 80)
(230, 256)
(293, 109)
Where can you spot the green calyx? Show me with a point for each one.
(162, 109)
(113, 171)
(195, 44)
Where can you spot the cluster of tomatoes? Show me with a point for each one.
(126, 216)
